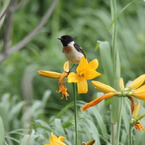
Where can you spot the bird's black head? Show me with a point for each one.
(66, 39)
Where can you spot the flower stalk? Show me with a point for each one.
(75, 114)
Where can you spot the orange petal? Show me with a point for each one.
(62, 88)
(93, 64)
(139, 126)
(102, 87)
(139, 93)
(137, 82)
(66, 66)
(98, 100)
(82, 87)
(50, 74)
(132, 103)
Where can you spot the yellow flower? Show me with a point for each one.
(137, 82)
(139, 93)
(90, 142)
(56, 140)
(85, 71)
(110, 92)
(135, 120)
(135, 89)
(50, 74)
(60, 76)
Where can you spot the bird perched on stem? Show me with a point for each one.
(72, 51)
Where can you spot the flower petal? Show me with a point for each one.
(93, 64)
(132, 103)
(61, 138)
(98, 100)
(54, 140)
(62, 88)
(82, 87)
(102, 87)
(90, 74)
(50, 74)
(137, 82)
(139, 126)
(82, 65)
(121, 84)
(72, 77)
(66, 66)
(139, 93)
(136, 110)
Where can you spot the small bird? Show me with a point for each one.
(72, 51)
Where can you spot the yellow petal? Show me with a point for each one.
(98, 100)
(50, 74)
(102, 87)
(82, 87)
(61, 138)
(93, 64)
(90, 74)
(72, 77)
(137, 82)
(136, 110)
(66, 66)
(54, 140)
(139, 93)
(121, 84)
(83, 65)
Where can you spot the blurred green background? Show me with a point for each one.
(88, 22)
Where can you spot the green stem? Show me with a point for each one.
(114, 30)
(113, 134)
(75, 114)
(119, 122)
(116, 101)
(130, 135)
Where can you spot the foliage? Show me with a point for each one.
(29, 112)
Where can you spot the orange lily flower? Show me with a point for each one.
(135, 120)
(56, 140)
(60, 76)
(110, 92)
(133, 89)
(85, 71)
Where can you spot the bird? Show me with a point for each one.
(73, 52)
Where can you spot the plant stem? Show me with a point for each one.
(119, 122)
(115, 102)
(113, 134)
(75, 114)
(130, 135)
(114, 30)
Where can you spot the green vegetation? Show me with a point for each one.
(30, 108)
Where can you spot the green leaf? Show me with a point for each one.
(106, 60)
(2, 132)
(29, 139)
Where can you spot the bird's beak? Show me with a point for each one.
(59, 38)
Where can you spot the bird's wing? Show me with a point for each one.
(79, 49)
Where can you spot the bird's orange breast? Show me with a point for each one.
(67, 49)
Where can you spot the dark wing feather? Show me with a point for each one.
(79, 49)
